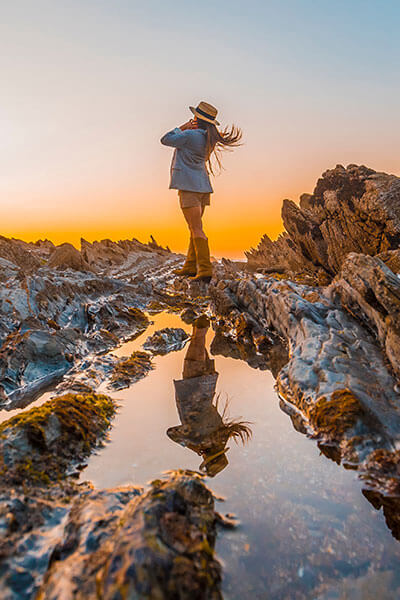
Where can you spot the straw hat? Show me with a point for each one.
(206, 112)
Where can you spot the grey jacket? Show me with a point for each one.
(188, 166)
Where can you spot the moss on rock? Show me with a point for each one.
(335, 416)
(127, 370)
(44, 443)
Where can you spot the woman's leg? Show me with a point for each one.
(193, 218)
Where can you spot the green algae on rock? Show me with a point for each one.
(43, 444)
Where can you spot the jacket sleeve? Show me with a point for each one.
(175, 138)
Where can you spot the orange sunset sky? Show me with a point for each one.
(89, 88)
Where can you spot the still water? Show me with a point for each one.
(306, 531)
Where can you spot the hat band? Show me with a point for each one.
(202, 112)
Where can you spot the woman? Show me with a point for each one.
(196, 144)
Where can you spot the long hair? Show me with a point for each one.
(233, 428)
(217, 141)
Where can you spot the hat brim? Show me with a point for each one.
(194, 111)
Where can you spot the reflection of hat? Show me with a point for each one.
(206, 112)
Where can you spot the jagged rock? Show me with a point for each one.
(52, 315)
(391, 258)
(66, 256)
(106, 253)
(166, 340)
(157, 545)
(19, 253)
(31, 356)
(336, 382)
(238, 336)
(30, 523)
(368, 289)
(381, 476)
(353, 209)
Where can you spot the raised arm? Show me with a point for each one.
(175, 138)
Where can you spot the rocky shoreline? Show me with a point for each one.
(319, 308)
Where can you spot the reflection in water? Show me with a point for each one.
(203, 428)
(306, 530)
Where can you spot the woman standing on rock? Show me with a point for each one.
(196, 143)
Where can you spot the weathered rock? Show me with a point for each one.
(66, 256)
(353, 209)
(189, 315)
(107, 254)
(43, 444)
(381, 476)
(238, 336)
(32, 356)
(369, 290)
(166, 340)
(21, 254)
(336, 384)
(127, 370)
(160, 545)
(55, 308)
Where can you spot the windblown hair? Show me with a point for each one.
(217, 141)
(233, 428)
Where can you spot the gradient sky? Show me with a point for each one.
(89, 87)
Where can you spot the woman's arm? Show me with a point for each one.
(177, 137)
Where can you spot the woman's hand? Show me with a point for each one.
(189, 125)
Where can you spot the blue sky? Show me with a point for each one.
(89, 87)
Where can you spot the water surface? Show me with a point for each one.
(306, 530)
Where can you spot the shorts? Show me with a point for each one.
(191, 199)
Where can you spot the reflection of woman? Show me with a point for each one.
(195, 143)
(204, 430)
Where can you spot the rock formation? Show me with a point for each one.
(58, 304)
(353, 209)
(166, 340)
(66, 256)
(155, 545)
(56, 535)
(338, 385)
(334, 349)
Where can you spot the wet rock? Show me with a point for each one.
(58, 305)
(188, 315)
(238, 335)
(169, 339)
(127, 370)
(88, 374)
(161, 544)
(336, 379)
(353, 209)
(43, 444)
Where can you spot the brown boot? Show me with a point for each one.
(189, 267)
(204, 268)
